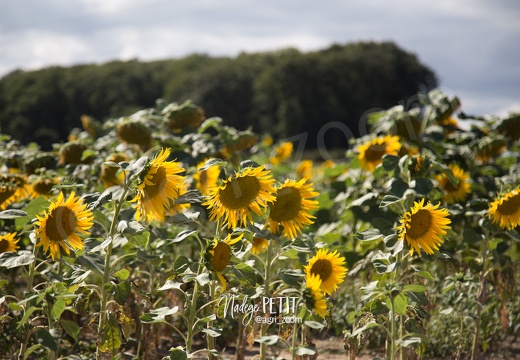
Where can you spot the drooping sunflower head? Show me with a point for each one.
(160, 187)
(61, 225)
(218, 255)
(371, 153)
(239, 142)
(10, 182)
(505, 210)
(423, 227)
(329, 267)
(183, 116)
(41, 187)
(259, 245)
(206, 179)
(313, 295)
(8, 243)
(110, 175)
(304, 169)
(247, 192)
(449, 124)
(134, 132)
(72, 153)
(281, 153)
(419, 165)
(455, 193)
(6, 195)
(291, 207)
(490, 147)
(510, 127)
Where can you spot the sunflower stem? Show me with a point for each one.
(480, 290)
(211, 339)
(106, 275)
(193, 313)
(263, 329)
(32, 269)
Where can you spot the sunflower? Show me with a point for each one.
(8, 243)
(206, 179)
(111, 175)
(314, 298)
(281, 153)
(219, 254)
(72, 153)
(134, 132)
(304, 169)
(423, 226)
(259, 245)
(247, 191)
(371, 153)
(455, 193)
(6, 195)
(490, 147)
(329, 267)
(291, 207)
(41, 187)
(159, 188)
(60, 225)
(505, 210)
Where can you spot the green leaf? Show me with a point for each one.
(122, 274)
(369, 235)
(30, 350)
(290, 277)
(12, 214)
(110, 337)
(213, 122)
(415, 288)
(122, 292)
(212, 333)
(26, 316)
(314, 325)
(15, 259)
(139, 240)
(425, 274)
(268, 340)
(389, 200)
(158, 315)
(400, 304)
(390, 162)
(245, 272)
(301, 351)
(170, 284)
(212, 162)
(422, 186)
(36, 206)
(71, 328)
(182, 235)
(46, 340)
(178, 354)
(57, 309)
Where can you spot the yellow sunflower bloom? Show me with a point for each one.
(41, 187)
(159, 188)
(304, 169)
(423, 226)
(206, 179)
(62, 223)
(247, 191)
(6, 195)
(314, 298)
(371, 153)
(329, 267)
(291, 208)
(454, 193)
(8, 243)
(282, 152)
(259, 245)
(10, 183)
(219, 254)
(505, 210)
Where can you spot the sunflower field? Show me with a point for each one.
(168, 235)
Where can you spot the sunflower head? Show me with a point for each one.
(259, 245)
(505, 210)
(291, 207)
(183, 116)
(329, 267)
(314, 297)
(281, 153)
(218, 255)
(61, 225)
(247, 192)
(72, 153)
(419, 166)
(304, 169)
(510, 127)
(10, 182)
(489, 148)
(240, 142)
(111, 176)
(42, 187)
(91, 126)
(423, 227)
(408, 127)
(455, 193)
(6, 195)
(371, 153)
(134, 132)
(206, 179)
(160, 187)
(8, 243)
(46, 161)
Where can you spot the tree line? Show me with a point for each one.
(285, 92)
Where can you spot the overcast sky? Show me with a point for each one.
(472, 45)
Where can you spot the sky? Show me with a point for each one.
(472, 45)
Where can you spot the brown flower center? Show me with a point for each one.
(221, 256)
(159, 182)
(420, 223)
(375, 152)
(322, 268)
(4, 245)
(239, 193)
(449, 187)
(61, 223)
(43, 186)
(287, 204)
(509, 206)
